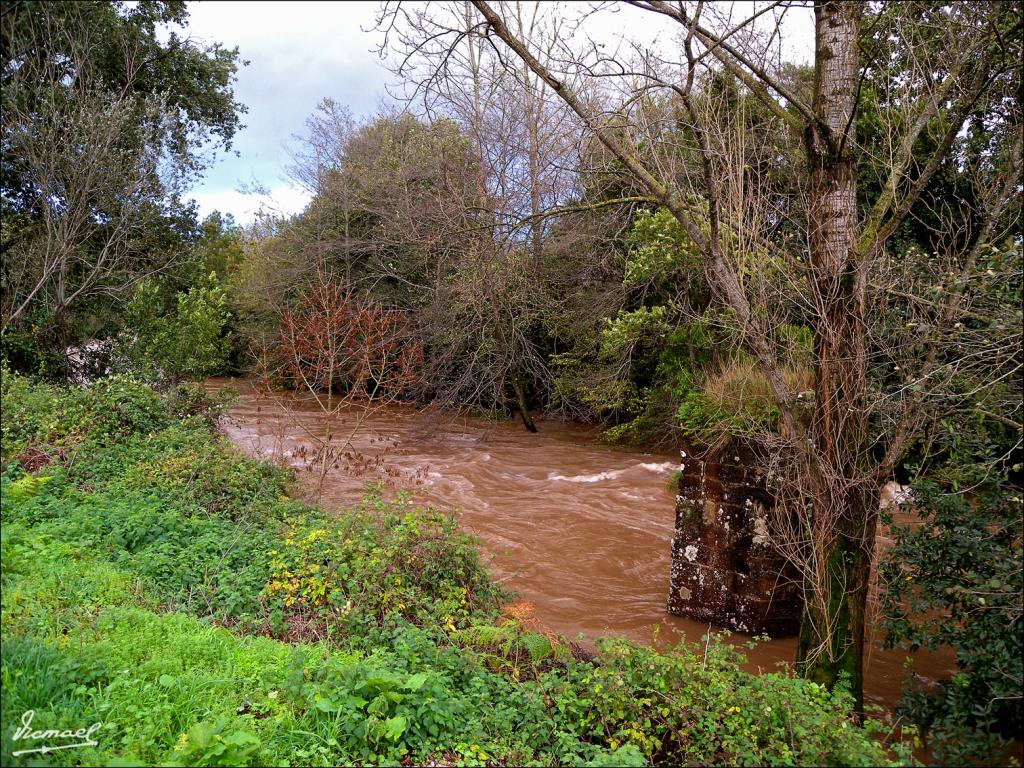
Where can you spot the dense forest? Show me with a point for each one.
(691, 247)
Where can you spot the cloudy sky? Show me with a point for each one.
(301, 52)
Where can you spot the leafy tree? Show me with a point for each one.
(183, 337)
(105, 122)
(955, 580)
(391, 203)
(219, 248)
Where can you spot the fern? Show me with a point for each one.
(538, 646)
(24, 488)
(509, 640)
(485, 636)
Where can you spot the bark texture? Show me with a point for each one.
(843, 497)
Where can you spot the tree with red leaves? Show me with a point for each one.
(347, 352)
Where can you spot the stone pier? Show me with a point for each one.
(724, 570)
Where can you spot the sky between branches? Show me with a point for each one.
(302, 52)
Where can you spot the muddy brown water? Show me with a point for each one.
(578, 528)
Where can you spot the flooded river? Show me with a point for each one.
(579, 529)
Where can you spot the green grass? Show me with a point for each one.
(161, 584)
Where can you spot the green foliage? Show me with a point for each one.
(696, 385)
(184, 337)
(30, 348)
(212, 744)
(659, 247)
(683, 707)
(39, 414)
(627, 329)
(126, 560)
(25, 487)
(651, 411)
(734, 401)
(195, 79)
(512, 645)
(653, 352)
(219, 249)
(108, 113)
(190, 399)
(184, 557)
(737, 398)
(388, 562)
(118, 406)
(955, 580)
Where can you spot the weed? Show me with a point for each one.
(144, 567)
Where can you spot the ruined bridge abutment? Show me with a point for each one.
(724, 568)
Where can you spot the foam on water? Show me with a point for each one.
(664, 466)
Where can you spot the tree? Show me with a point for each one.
(174, 336)
(400, 215)
(103, 126)
(836, 271)
(525, 153)
(345, 352)
(219, 248)
(956, 580)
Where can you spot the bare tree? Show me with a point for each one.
(526, 156)
(349, 354)
(830, 458)
(97, 169)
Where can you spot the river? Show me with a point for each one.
(578, 528)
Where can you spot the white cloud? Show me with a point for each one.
(301, 52)
(282, 199)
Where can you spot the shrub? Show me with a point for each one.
(379, 563)
(190, 399)
(176, 337)
(956, 580)
(685, 707)
(30, 412)
(117, 406)
(188, 465)
(110, 409)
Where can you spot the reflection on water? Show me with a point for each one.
(578, 528)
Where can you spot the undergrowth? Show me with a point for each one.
(161, 584)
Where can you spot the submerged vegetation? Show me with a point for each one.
(160, 583)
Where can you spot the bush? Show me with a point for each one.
(375, 566)
(176, 337)
(685, 707)
(125, 559)
(191, 399)
(52, 416)
(956, 580)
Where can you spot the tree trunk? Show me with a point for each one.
(843, 495)
(524, 410)
(830, 648)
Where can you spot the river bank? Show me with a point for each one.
(578, 528)
(160, 583)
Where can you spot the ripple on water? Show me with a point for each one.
(578, 528)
